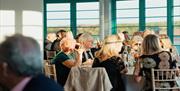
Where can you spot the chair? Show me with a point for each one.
(50, 54)
(161, 79)
(50, 70)
(87, 79)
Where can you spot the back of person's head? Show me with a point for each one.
(22, 55)
(77, 37)
(69, 34)
(111, 46)
(60, 33)
(147, 32)
(151, 44)
(51, 37)
(67, 44)
(85, 37)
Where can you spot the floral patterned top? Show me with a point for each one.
(161, 60)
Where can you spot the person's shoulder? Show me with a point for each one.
(42, 83)
(166, 55)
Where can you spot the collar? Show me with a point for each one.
(20, 86)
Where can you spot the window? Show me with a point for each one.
(7, 23)
(156, 21)
(58, 17)
(88, 18)
(176, 22)
(127, 14)
(32, 25)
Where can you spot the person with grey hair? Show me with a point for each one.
(21, 66)
(86, 41)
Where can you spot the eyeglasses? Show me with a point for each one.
(138, 44)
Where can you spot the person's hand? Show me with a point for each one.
(80, 51)
(88, 62)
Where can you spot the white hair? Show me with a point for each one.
(85, 37)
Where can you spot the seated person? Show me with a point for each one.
(86, 42)
(152, 57)
(108, 57)
(66, 59)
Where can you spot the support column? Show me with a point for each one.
(105, 18)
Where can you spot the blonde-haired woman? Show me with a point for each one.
(65, 59)
(108, 57)
(152, 57)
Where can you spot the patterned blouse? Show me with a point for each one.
(161, 60)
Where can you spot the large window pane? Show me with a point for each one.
(156, 21)
(90, 29)
(156, 16)
(156, 3)
(176, 21)
(177, 30)
(156, 12)
(58, 17)
(53, 29)
(87, 23)
(88, 18)
(128, 13)
(158, 29)
(32, 18)
(130, 29)
(33, 25)
(88, 6)
(7, 17)
(33, 31)
(127, 21)
(6, 31)
(176, 2)
(58, 23)
(7, 23)
(127, 4)
(87, 14)
(177, 10)
(57, 6)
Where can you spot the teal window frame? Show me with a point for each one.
(142, 16)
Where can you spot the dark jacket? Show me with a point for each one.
(42, 83)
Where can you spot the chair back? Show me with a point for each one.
(50, 70)
(50, 54)
(163, 79)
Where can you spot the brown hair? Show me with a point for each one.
(151, 44)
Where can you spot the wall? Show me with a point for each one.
(21, 16)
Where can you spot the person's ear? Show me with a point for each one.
(4, 68)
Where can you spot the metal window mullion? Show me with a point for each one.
(45, 19)
(73, 19)
(142, 12)
(113, 16)
(170, 28)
